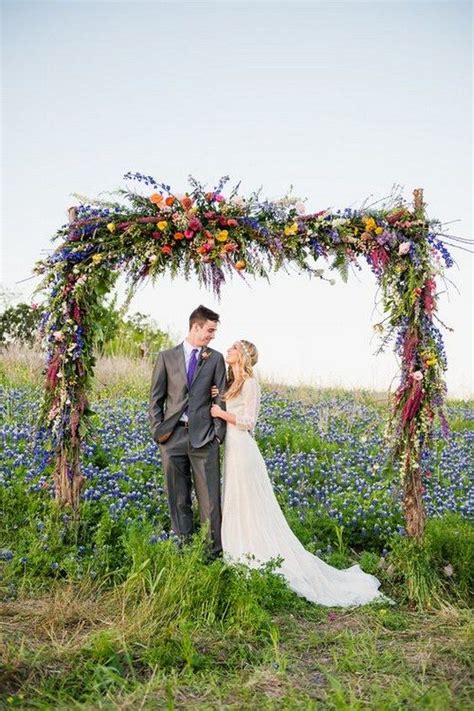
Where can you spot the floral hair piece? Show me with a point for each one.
(245, 350)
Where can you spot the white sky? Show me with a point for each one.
(342, 100)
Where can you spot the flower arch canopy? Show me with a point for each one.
(211, 235)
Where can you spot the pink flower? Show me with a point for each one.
(194, 224)
(189, 234)
(404, 248)
(417, 375)
(218, 197)
(300, 208)
(34, 306)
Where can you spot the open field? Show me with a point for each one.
(106, 613)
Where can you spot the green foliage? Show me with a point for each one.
(136, 336)
(19, 324)
(438, 569)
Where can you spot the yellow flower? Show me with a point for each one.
(291, 229)
(112, 227)
(432, 361)
(370, 224)
(222, 235)
(162, 225)
(97, 258)
(378, 230)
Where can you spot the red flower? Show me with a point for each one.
(396, 216)
(379, 258)
(76, 313)
(52, 374)
(231, 222)
(166, 249)
(194, 224)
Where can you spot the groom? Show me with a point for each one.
(181, 423)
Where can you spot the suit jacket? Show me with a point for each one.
(170, 396)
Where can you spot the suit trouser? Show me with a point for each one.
(181, 464)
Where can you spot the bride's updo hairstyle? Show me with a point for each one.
(248, 357)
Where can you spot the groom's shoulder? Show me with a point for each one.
(213, 351)
(169, 351)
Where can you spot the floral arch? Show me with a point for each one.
(211, 236)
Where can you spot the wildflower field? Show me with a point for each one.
(105, 612)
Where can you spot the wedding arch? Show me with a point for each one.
(208, 235)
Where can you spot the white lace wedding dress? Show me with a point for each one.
(254, 529)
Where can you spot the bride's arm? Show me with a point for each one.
(246, 421)
(217, 411)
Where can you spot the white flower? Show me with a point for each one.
(417, 375)
(404, 248)
(300, 208)
(237, 200)
(332, 281)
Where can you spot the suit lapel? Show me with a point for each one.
(201, 364)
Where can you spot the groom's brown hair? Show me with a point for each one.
(201, 315)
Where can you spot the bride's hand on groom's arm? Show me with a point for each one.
(217, 411)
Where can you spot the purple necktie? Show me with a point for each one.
(192, 367)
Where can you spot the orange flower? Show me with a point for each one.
(178, 235)
(169, 200)
(156, 198)
(186, 202)
(240, 265)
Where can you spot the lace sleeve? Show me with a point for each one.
(251, 396)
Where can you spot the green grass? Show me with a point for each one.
(142, 625)
(213, 646)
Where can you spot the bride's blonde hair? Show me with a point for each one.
(248, 357)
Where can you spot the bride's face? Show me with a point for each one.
(233, 354)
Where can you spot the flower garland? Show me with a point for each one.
(211, 236)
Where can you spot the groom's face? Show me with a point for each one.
(204, 334)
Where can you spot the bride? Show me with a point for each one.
(254, 529)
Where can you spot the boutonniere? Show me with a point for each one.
(204, 356)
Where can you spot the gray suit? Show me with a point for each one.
(193, 448)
